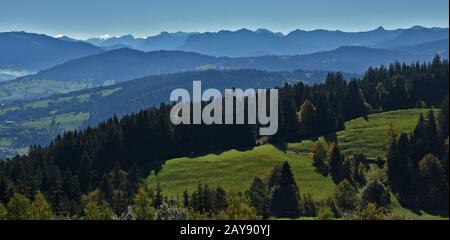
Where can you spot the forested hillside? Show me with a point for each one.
(40, 121)
(107, 162)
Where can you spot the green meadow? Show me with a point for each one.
(234, 171)
(361, 136)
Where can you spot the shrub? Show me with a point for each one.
(375, 192)
(325, 213)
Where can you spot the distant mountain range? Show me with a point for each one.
(429, 49)
(415, 36)
(246, 43)
(66, 64)
(121, 65)
(163, 41)
(32, 52)
(125, 64)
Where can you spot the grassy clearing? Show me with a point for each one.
(68, 121)
(108, 92)
(234, 170)
(5, 143)
(19, 90)
(361, 136)
(367, 137)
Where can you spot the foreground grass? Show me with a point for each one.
(234, 170)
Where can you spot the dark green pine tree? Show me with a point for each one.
(433, 186)
(259, 198)
(398, 170)
(340, 123)
(432, 139)
(285, 195)
(207, 199)
(134, 179)
(375, 192)
(443, 119)
(419, 148)
(186, 202)
(159, 199)
(446, 152)
(353, 104)
(220, 199)
(325, 118)
(4, 185)
(336, 163)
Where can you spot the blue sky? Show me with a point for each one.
(88, 18)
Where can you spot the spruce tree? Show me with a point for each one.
(258, 195)
(186, 202)
(285, 195)
(432, 139)
(353, 105)
(398, 169)
(349, 169)
(158, 197)
(319, 158)
(340, 123)
(375, 192)
(433, 188)
(220, 199)
(443, 119)
(335, 163)
(419, 148)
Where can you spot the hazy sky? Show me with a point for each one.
(88, 18)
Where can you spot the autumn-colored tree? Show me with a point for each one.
(345, 197)
(391, 134)
(3, 212)
(239, 208)
(95, 207)
(142, 205)
(40, 208)
(336, 163)
(307, 117)
(369, 212)
(319, 158)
